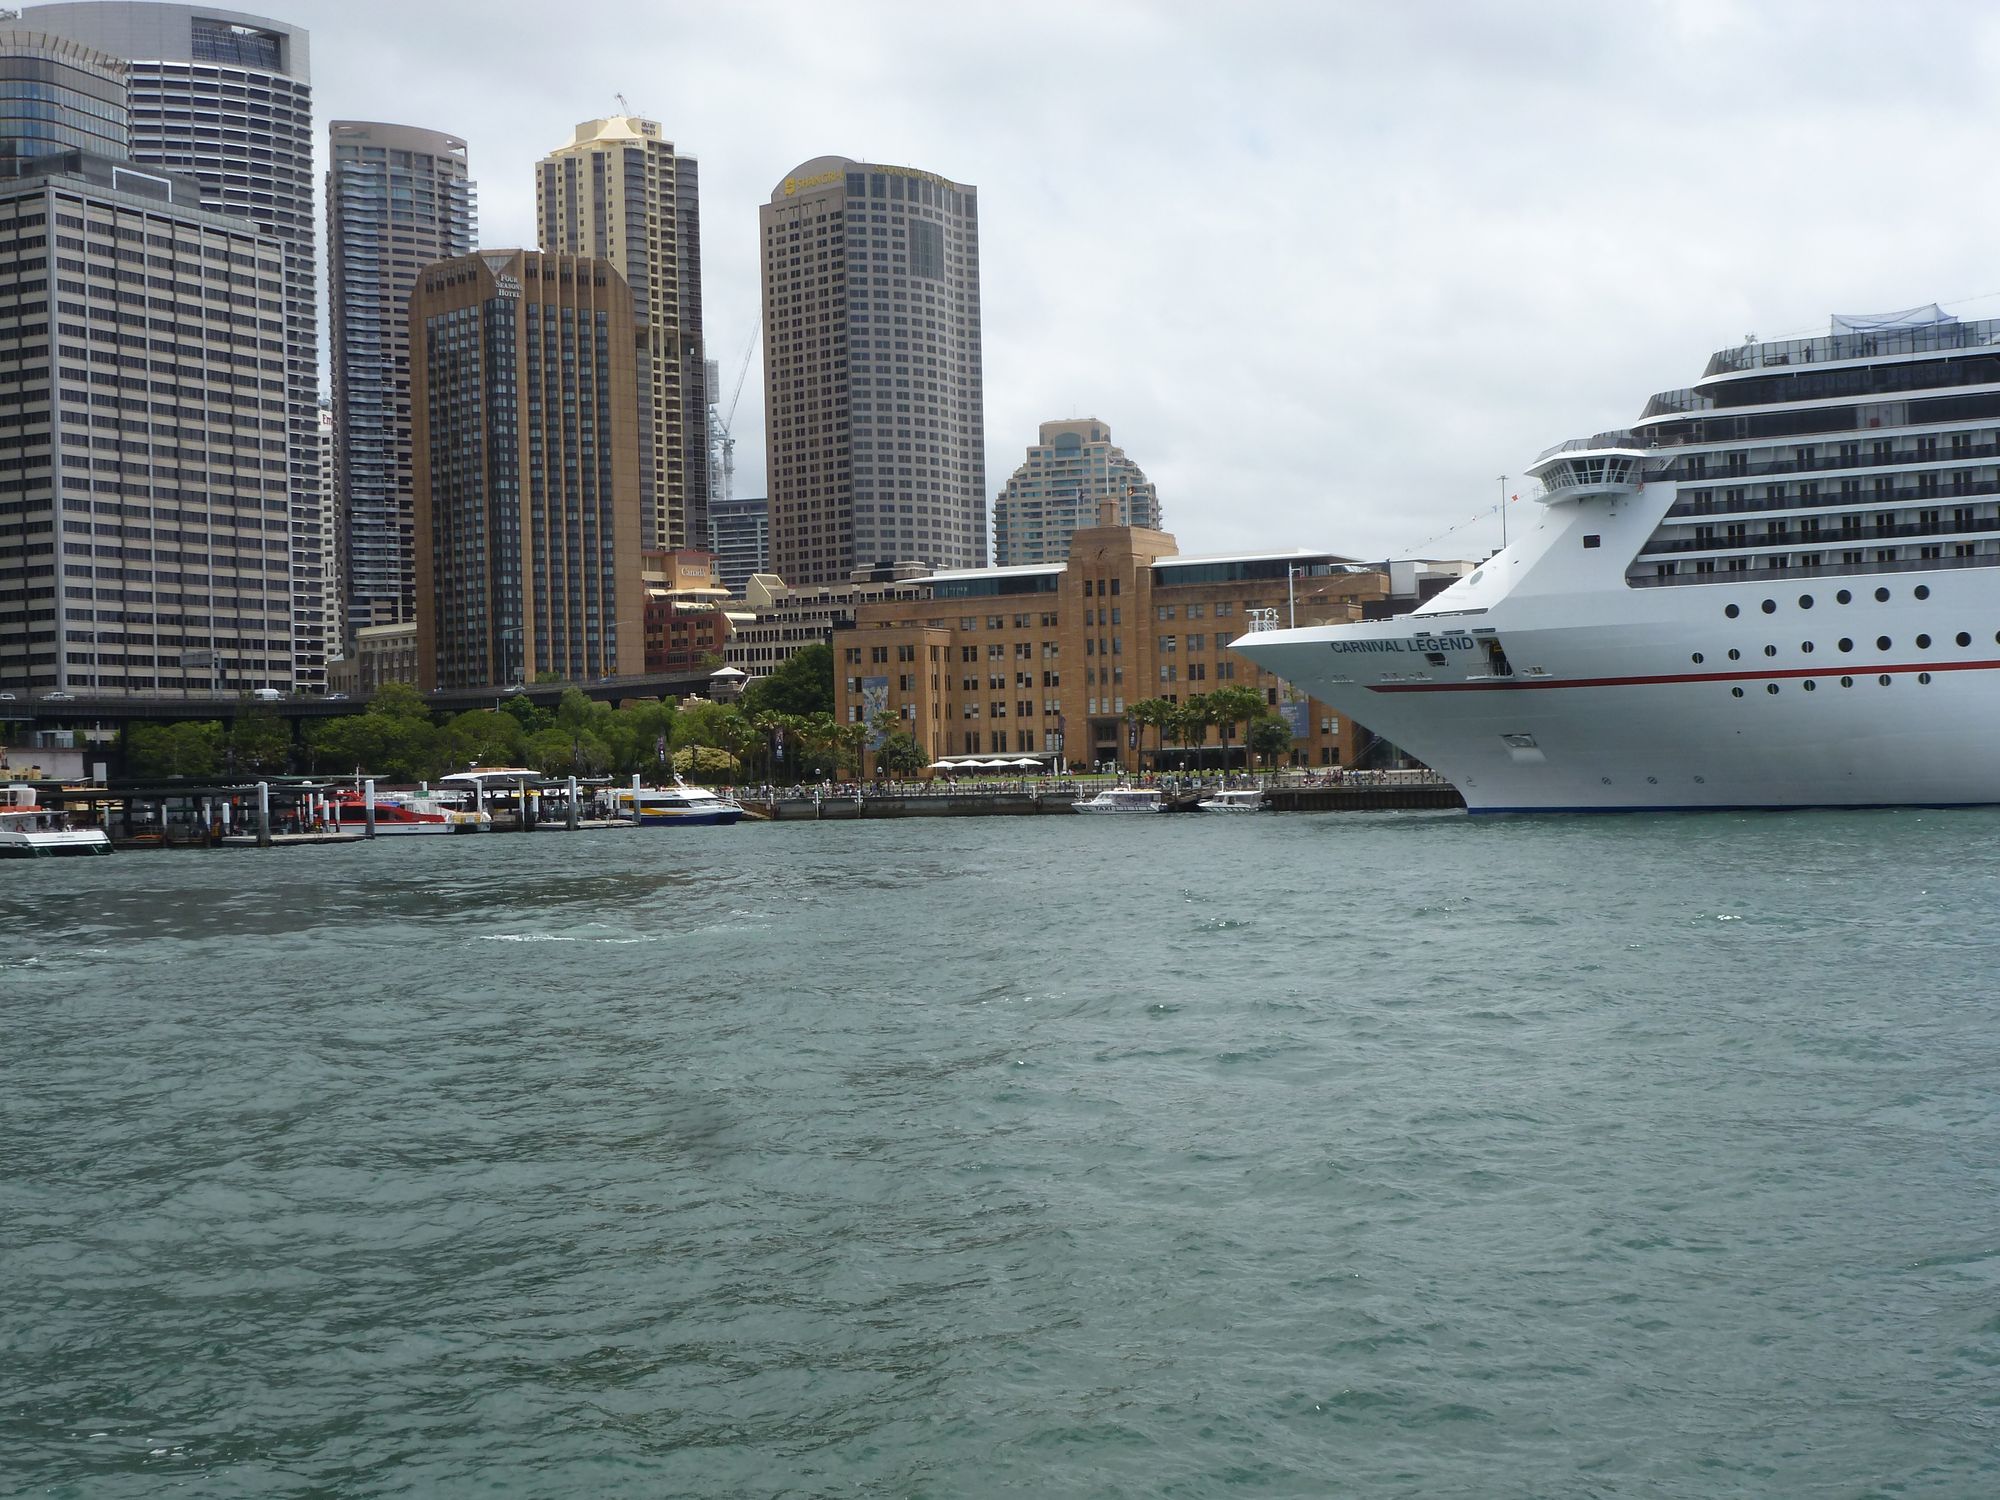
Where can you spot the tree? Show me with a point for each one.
(803, 684)
(1190, 724)
(899, 754)
(525, 713)
(1269, 736)
(163, 750)
(1155, 714)
(1229, 706)
(720, 726)
(481, 736)
(398, 700)
(705, 763)
(258, 742)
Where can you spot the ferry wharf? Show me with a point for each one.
(1354, 791)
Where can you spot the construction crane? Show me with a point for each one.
(722, 445)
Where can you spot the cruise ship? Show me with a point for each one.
(1779, 589)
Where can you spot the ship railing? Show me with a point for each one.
(1928, 339)
(1826, 464)
(1908, 496)
(1943, 530)
(1669, 403)
(1625, 439)
(1778, 577)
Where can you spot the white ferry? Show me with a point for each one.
(1125, 799)
(1780, 588)
(31, 831)
(677, 804)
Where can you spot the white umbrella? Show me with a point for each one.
(942, 765)
(1033, 765)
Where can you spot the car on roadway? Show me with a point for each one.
(58, 696)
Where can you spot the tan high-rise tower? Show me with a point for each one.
(523, 408)
(873, 410)
(620, 191)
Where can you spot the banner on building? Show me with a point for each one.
(874, 700)
(1298, 718)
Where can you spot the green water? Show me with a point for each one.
(1400, 1155)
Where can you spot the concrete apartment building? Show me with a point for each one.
(620, 191)
(226, 98)
(1069, 473)
(874, 409)
(524, 407)
(1046, 659)
(145, 471)
(776, 621)
(739, 534)
(397, 199)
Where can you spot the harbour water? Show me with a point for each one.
(1399, 1154)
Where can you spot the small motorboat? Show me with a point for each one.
(30, 831)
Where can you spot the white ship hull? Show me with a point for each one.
(1613, 697)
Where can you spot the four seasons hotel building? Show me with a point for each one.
(1045, 660)
(872, 399)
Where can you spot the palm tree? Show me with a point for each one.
(1229, 706)
(1154, 714)
(1191, 721)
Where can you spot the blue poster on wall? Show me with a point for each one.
(874, 699)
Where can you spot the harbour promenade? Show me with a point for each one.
(1291, 791)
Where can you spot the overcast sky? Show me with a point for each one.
(1326, 269)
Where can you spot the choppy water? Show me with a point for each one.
(1374, 1155)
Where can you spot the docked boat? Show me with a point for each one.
(1125, 799)
(1778, 589)
(30, 831)
(676, 804)
(1234, 800)
(402, 813)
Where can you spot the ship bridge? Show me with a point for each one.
(1611, 463)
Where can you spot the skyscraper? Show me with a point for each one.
(620, 191)
(1068, 473)
(873, 410)
(739, 534)
(226, 98)
(524, 406)
(397, 199)
(136, 474)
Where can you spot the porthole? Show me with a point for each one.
(1731, 610)
(1810, 686)
(1923, 643)
(1736, 692)
(1883, 679)
(1652, 781)
(1771, 688)
(1924, 677)
(1922, 591)
(1806, 647)
(1844, 597)
(1734, 654)
(1805, 601)
(1846, 643)
(1605, 779)
(1770, 650)
(1881, 596)
(1964, 638)
(1701, 781)
(1770, 606)
(1696, 658)
(1847, 682)
(1881, 643)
